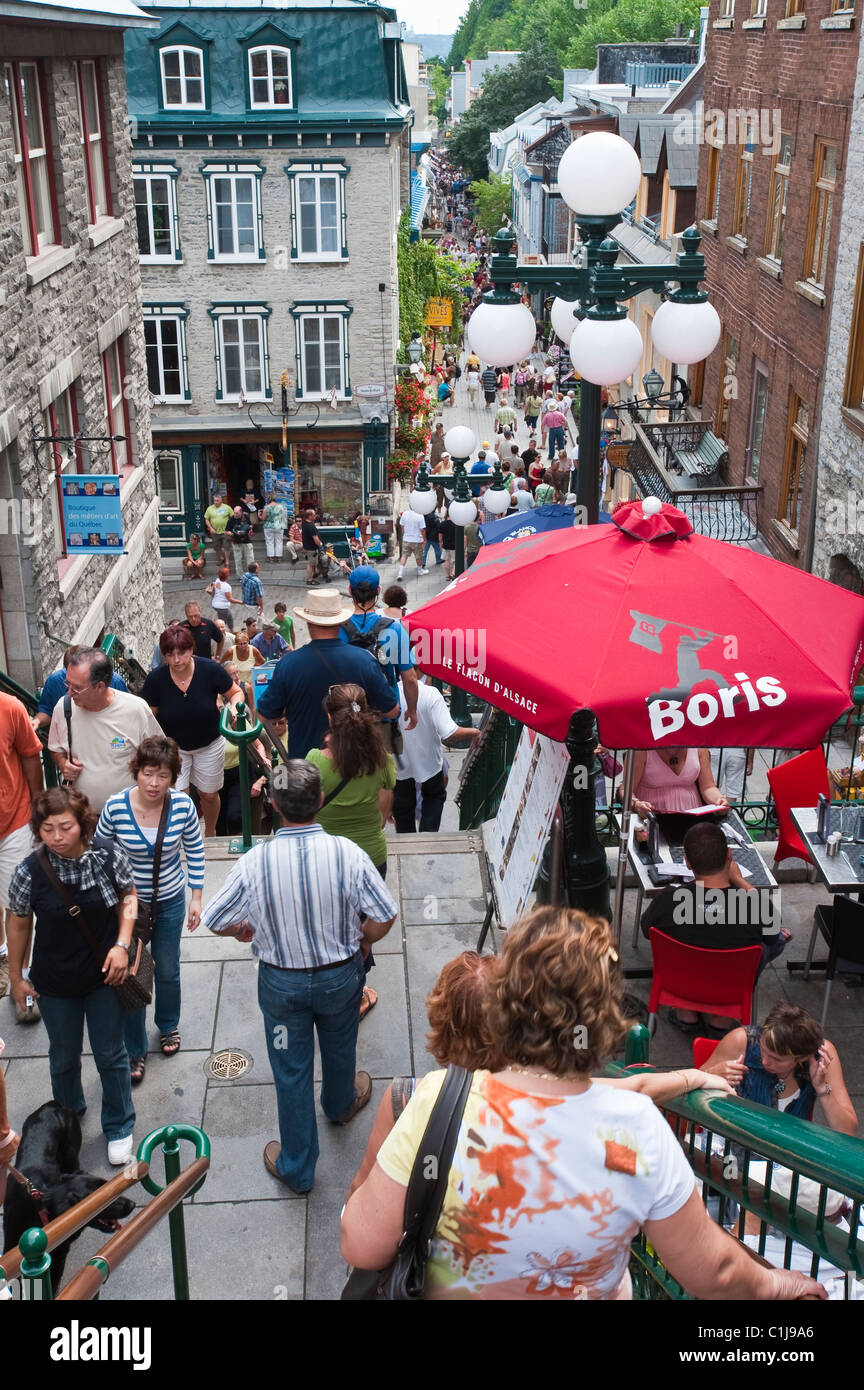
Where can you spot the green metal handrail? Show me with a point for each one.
(756, 1132)
(242, 737)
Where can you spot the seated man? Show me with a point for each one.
(718, 911)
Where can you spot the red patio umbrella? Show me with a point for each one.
(668, 636)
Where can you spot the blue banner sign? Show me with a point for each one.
(92, 515)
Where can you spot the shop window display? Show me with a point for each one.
(329, 478)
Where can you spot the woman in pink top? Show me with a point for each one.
(674, 779)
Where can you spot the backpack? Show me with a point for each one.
(370, 638)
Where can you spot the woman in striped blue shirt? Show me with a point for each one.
(131, 819)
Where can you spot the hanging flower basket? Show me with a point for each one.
(400, 467)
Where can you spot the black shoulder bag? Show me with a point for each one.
(405, 1278)
(147, 911)
(136, 991)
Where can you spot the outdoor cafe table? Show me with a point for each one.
(746, 856)
(842, 873)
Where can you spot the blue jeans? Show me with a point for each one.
(165, 945)
(433, 545)
(555, 441)
(292, 1001)
(64, 1020)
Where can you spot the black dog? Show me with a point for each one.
(49, 1156)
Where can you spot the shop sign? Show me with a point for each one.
(439, 313)
(92, 514)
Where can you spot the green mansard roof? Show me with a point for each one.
(346, 68)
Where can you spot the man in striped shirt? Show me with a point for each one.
(311, 904)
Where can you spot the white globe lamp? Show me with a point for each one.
(605, 351)
(502, 333)
(496, 500)
(462, 513)
(460, 442)
(686, 333)
(423, 502)
(563, 319)
(599, 174)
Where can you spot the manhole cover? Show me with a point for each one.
(228, 1064)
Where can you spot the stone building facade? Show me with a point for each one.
(269, 179)
(779, 85)
(838, 550)
(70, 340)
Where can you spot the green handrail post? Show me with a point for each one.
(636, 1045)
(242, 736)
(35, 1267)
(168, 1138)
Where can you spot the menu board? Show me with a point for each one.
(515, 840)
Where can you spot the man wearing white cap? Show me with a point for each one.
(303, 677)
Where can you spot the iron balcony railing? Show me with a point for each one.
(714, 508)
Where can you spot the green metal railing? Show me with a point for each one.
(34, 1264)
(126, 666)
(487, 766)
(753, 1133)
(242, 736)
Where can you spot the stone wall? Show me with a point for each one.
(839, 514)
(54, 329)
(375, 189)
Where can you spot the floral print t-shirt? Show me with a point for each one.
(545, 1192)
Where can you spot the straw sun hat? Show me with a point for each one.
(323, 608)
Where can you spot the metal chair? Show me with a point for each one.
(842, 926)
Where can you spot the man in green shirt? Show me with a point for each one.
(284, 624)
(505, 416)
(216, 519)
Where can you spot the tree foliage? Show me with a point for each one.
(425, 273)
(492, 199)
(438, 78)
(536, 77)
(629, 21)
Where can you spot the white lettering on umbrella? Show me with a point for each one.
(668, 716)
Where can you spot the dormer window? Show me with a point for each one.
(182, 77)
(270, 77)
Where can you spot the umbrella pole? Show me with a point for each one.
(585, 867)
(621, 870)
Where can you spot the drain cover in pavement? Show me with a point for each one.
(228, 1064)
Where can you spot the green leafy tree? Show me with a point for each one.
(536, 77)
(492, 200)
(646, 21)
(439, 84)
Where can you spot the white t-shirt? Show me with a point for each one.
(412, 526)
(104, 741)
(545, 1193)
(221, 594)
(422, 755)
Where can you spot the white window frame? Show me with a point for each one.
(149, 173)
(318, 169)
(232, 173)
(183, 78)
(271, 104)
(116, 405)
(304, 314)
(259, 314)
(159, 314)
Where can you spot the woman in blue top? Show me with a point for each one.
(787, 1064)
(131, 819)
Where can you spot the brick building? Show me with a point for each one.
(73, 355)
(779, 84)
(271, 160)
(838, 531)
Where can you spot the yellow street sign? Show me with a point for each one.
(439, 313)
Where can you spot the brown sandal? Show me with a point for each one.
(170, 1043)
(370, 999)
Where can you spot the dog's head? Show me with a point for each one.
(74, 1188)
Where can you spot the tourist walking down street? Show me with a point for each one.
(55, 688)
(358, 775)
(413, 540)
(269, 643)
(284, 623)
(432, 527)
(420, 765)
(242, 530)
(252, 589)
(21, 764)
(387, 640)
(208, 638)
(184, 694)
(216, 519)
(152, 821)
(312, 543)
(82, 902)
(554, 422)
(303, 677)
(274, 518)
(436, 444)
(95, 729)
(448, 544)
(310, 947)
(489, 381)
(223, 601)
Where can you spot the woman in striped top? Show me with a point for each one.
(131, 819)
